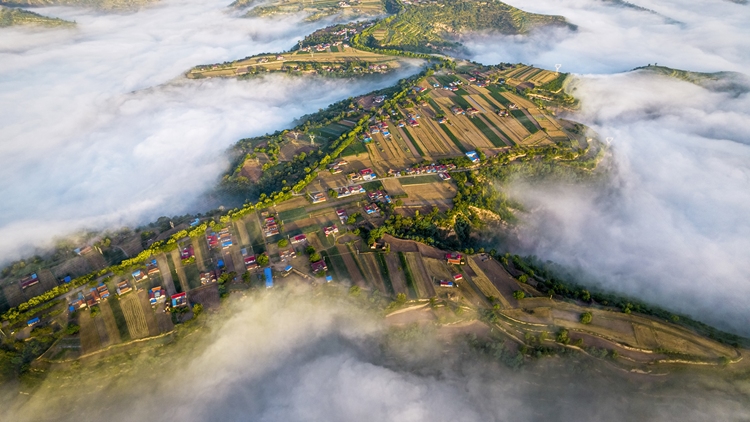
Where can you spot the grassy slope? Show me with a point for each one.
(12, 16)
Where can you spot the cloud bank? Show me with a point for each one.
(286, 357)
(671, 229)
(99, 128)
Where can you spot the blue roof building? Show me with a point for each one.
(269, 278)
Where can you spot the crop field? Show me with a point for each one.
(396, 274)
(89, 335)
(192, 275)
(480, 279)
(207, 295)
(201, 253)
(108, 318)
(355, 148)
(419, 180)
(292, 215)
(134, 316)
(253, 229)
(423, 284)
(525, 121)
(371, 270)
(351, 265)
(338, 265)
(122, 325)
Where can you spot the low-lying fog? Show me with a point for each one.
(99, 127)
(284, 357)
(672, 227)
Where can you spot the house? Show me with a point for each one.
(77, 302)
(152, 267)
(372, 209)
(356, 189)
(212, 239)
(300, 238)
(458, 277)
(33, 321)
(454, 258)
(103, 291)
(287, 270)
(473, 156)
(29, 281)
(471, 111)
(123, 287)
(139, 275)
(502, 113)
(319, 266)
(179, 300)
(269, 277)
(367, 174)
(444, 176)
(457, 110)
(318, 197)
(330, 230)
(225, 238)
(156, 295)
(442, 120)
(446, 283)
(187, 253)
(250, 263)
(92, 298)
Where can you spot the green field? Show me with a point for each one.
(253, 230)
(524, 120)
(373, 186)
(292, 215)
(122, 325)
(494, 93)
(175, 278)
(339, 267)
(409, 276)
(454, 139)
(419, 180)
(501, 132)
(413, 142)
(384, 271)
(193, 276)
(355, 148)
(486, 131)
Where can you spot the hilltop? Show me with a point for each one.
(716, 81)
(13, 16)
(100, 4)
(313, 9)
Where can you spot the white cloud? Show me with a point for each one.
(100, 127)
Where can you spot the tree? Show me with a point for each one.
(283, 243)
(586, 318)
(72, 329)
(354, 290)
(585, 295)
(523, 278)
(315, 257)
(562, 337)
(262, 260)
(401, 298)
(197, 309)
(95, 311)
(519, 294)
(351, 220)
(246, 276)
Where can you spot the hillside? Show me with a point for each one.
(12, 16)
(315, 9)
(426, 26)
(716, 81)
(99, 4)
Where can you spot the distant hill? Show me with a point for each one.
(99, 4)
(424, 26)
(717, 81)
(12, 16)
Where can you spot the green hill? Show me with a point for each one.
(12, 16)
(99, 4)
(429, 26)
(716, 81)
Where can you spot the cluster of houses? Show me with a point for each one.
(379, 196)
(324, 46)
(338, 166)
(372, 208)
(223, 238)
(156, 295)
(270, 228)
(330, 230)
(427, 169)
(345, 191)
(471, 111)
(379, 127)
(152, 267)
(95, 295)
(454, 258)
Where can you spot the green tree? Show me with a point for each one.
(262, 260)
(354, 291)
(351, 219)
(315, 257)
(586, 318)
(197, 309)
(401, 298)
(562, 336)
(523, 278)
(283, 243)
(519, 294)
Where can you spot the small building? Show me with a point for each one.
(367, 174)
(67, 279)
(251, 262)
(139, 275)
(33, 321)
(29, 281)
(123, 287)
(319, 266)
(287, 270)
(446, 283)
(179, 300)
(372, 208)
(329, 279)
(156, 295)
(342, 216)
(269, 277)
(444, 176)
(187, 253)
(330, 230)
(208, 277)
(473, 156)
(454, 258)
(317, 197)
(152, 267)
(458, 277)
(299, 239)
(92, 298)
(103, 291)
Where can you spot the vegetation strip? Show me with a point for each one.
(409, 277)
(386, 275)
(454, 139)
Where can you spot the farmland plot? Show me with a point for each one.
(424, 286)
(109, 321)
(372, 272)
(89, 335)
(396, 273)
(351, 266)
(134, 316)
